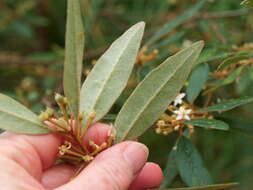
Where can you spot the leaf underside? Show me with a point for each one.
(73, 55)
(16, 118)
(152, 96)
(111, 72)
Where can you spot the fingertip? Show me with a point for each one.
(156, 173)
(98, 133)
(151, 176)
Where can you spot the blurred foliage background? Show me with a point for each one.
(32, 51)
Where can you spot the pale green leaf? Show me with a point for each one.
(110, 74)
(176, 22)
(152, 96)
(206, 187)
(227, 105)
(197, 80)
(190, 164)
(16, 118)
(208, 123)
(74, 49)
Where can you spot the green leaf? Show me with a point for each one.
(211, 55)
(152, 96)
(176, 22)
(73, 55)
(244, 81)
(190, 164)
(208, 123)
(197, 80)
(230, 61)
(16, 118)
(227, 105)
(207, 187)
(228, 80)
(241, 125)
(170, 171)
(110, 74)
(248, 3)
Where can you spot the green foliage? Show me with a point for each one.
(227, 105)
(226, 81)
(16, 118)
(196, 81)
(170, 171)
(154, 93)
(73, 55)
(32, 74)
(190, 164)
(110, 74)
(209, 187)
(176, 22)
(230, 61)
(247, 3)
(208, 123)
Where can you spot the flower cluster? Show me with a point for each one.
(73, 150)
(175, 115)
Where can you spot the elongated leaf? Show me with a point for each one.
(240, 125)
(228, 80)
(190, 164)
(208, 123)
(176, 22)
(16, 118)
(110, 74)
(197, 80)
(230, 61)
(170, 171)
(207, 187)
(169, 40)
(212, 54)
(152, 96)
(73, 55)
(227, 105)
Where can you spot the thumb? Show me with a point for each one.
(113, 169)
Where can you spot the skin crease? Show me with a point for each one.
(27, 163)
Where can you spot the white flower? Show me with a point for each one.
(183, 113)
(179, 99)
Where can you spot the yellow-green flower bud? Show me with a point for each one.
(43, 116)
(50, 112)
(60, 99)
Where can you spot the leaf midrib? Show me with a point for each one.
(152, 97)
(20, 117)
(108, 78)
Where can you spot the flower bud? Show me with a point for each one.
(60, 99)
(50, 111)
(43, 116)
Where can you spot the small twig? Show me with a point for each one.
(223, 14)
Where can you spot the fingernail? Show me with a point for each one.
(136, 155)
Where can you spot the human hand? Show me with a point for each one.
(27, 163)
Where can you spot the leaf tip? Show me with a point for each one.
(200, 44)
(140, 25)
